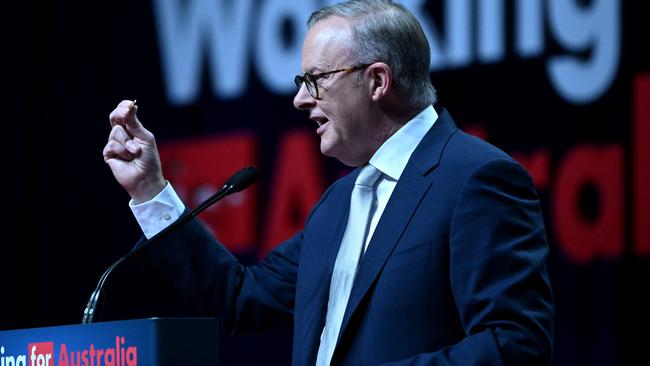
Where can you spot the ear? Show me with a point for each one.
(381, 80)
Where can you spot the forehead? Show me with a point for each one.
(327, 45)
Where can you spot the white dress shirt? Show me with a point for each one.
(393, 155)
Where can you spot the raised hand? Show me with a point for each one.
(132, 155)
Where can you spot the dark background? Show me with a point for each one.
(70, 63)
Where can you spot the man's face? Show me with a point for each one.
(342, 111)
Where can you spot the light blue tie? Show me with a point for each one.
(347, 260)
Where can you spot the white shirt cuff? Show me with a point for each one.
(158, 213)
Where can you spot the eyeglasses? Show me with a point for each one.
(310, 79)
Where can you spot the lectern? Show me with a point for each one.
(145, 342)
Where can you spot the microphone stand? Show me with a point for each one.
(240, 181)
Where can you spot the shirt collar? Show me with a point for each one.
(393, 155)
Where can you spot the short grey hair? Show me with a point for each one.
(385, 31)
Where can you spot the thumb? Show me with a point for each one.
(133, 125)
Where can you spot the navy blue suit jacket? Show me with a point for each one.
(455, 273)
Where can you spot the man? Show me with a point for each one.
(438, 259)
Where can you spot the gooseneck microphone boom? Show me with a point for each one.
(238, 182)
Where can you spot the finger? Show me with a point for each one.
(116, 117)
(132, 111)
(133, 147)
(125, 110)
(119, 134)
(115, 150)
(133, 125)
(125, 114)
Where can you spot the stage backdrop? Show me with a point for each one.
(561, 85)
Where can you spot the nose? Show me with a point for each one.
(303, 100)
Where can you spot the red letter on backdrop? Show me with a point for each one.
(198, 167)
(537, 164)
(297, 186)
(583, 240)
(641, 173)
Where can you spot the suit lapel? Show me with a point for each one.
(313, 320)
(404, 201)
(330, 233)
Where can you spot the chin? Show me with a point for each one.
(327, 150)
(331, 150)
(326, 147)
(328, 153)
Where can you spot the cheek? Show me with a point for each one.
(339, 129)
(346, 116)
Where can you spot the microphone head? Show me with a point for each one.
(242, 179)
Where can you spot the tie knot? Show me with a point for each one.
(368, 176)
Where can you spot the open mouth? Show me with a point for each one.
(322, 127)
(321, 122)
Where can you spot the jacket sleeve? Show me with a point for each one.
(207, 276)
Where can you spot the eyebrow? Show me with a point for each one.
(316, 69)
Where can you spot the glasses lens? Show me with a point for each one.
(310, 83)
(298, 80)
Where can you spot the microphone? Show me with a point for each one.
(238, 182)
